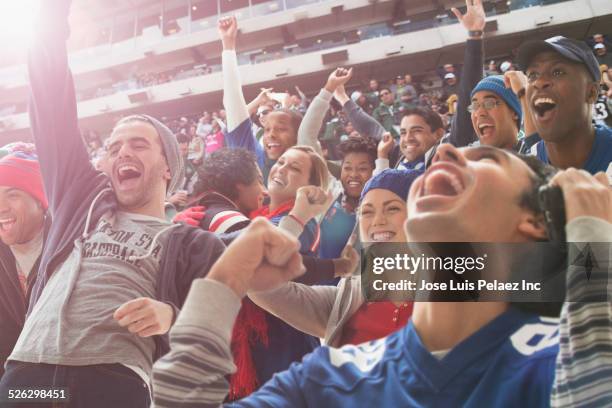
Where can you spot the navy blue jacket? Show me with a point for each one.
(13, 302)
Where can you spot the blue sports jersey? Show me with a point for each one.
(242, 137)
(418, 164)
(601, 154)
(507, 363)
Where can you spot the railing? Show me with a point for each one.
(277, 52)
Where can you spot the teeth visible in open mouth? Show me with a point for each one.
(542, 105)
(127, 171)
(542, 101)
(354, 184)
(443, 183)
(278, 181)
(482, 128)
(382, 236)
(273, 145)
(7, 223)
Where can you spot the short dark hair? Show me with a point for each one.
(182, 138)
(385, 89)
(555, 255)
(295, 118)
(542, 174)
(433, 120)
(225, 168)
(358, 144)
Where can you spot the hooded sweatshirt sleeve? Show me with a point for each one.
(64, 161)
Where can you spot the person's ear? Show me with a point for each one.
(592, 93)
(439, 133)
(167, 173)
(533, 226)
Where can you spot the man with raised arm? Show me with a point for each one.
(114, 272)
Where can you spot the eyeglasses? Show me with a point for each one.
(488, 104)
(263, 113)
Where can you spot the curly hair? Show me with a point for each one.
(224, 169)
(359, 144)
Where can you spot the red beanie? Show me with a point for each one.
(21, 171)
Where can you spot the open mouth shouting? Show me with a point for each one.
(486, 130)
(274, 149)
(544, 107)
(440, 186)
(127, 175)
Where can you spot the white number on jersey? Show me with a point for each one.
(364, 356)
(534, 337)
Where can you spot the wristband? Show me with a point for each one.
(475, 33)
(296, 219)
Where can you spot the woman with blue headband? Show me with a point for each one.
(339, 314)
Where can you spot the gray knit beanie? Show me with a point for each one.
(171, 151)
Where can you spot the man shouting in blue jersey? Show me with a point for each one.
(459, 354)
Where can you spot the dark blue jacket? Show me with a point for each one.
(13, 302)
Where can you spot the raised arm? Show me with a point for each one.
(53, 108)
(313, 119)
(233, 98)
(517, 81)
(239, 132)
(584, 362)
(259, 100)
(462, 131)
(365, 124)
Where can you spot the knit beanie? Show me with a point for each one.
(495, 84)
(170, 148)
(396, 181)
(21, 170)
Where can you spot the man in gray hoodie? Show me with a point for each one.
(114, 271)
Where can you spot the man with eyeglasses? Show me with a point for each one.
(497, 114)
(562, 85)
(389, 112)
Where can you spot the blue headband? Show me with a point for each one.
(396, 181)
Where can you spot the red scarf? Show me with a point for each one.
(250, 329)
(265, 211)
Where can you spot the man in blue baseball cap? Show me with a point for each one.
(562, 85)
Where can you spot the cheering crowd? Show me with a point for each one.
(194, 264)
